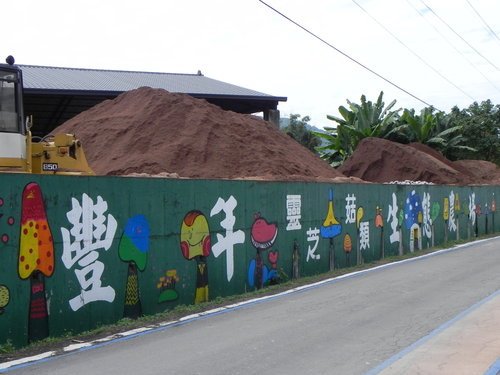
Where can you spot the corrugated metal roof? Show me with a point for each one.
(75, 79)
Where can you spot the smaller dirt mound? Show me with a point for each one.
(380, 160)
(484, 172)
(153, 132)
(479, 171)
(439, 156)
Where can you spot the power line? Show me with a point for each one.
(457, 34)
(345, 54)
(453, 46)
(413, 52)
(490, 30)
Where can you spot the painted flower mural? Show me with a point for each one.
(166, 285)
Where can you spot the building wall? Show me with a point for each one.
(79, 252)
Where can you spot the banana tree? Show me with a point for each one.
(338, 145)
(358, 122)
(432, 129)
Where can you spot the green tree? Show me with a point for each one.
(481, 128)
(297, 129)
(358, 122)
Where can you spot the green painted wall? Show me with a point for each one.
(71, 246)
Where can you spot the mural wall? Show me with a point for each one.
(79, 252)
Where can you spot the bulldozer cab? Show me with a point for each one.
(13, 155)
(59, 154)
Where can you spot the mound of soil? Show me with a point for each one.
(380, 160)
(482, 171)
(479, 171)
(151, 132)
(154, 132)
(436, 154)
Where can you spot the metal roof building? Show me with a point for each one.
(53, 95)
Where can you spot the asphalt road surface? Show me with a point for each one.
(349, 326)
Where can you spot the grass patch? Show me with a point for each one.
(7, 347)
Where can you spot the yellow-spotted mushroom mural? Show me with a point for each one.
(36, 258)
(195, 244)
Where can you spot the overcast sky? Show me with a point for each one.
(440, 51)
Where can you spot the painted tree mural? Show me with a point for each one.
(196, 244)
(133, 249)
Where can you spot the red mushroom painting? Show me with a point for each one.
(263, 236)
(36, 258)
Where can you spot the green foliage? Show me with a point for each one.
(481, 128)
(472, 133)
(297, 129)
(358, 122)
(338, 145)
(6, 348)
(433, 129)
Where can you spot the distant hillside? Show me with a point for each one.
(285, 121)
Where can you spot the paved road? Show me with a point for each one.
(349, 326)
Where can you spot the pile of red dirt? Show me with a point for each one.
(153, 132)
(481, 170)
(382, 161)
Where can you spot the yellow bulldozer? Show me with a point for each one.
(19, 152)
